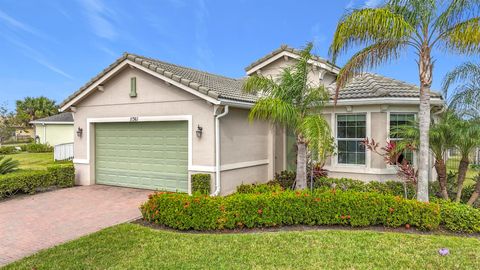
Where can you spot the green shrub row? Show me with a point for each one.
(459, 217)
(393, 188)
(7, 150)
(38, 148)
(31, 181)
(184, 212)
(201, 183)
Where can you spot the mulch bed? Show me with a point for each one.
(299, 228)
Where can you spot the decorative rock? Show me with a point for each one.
(443, 251)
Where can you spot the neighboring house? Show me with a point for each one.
(149, 124)
(23, 133)
(55, 129)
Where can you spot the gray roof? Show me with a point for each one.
(61, 117)
(368, 85)
(288, 49)
(216, 86)
(213, 85)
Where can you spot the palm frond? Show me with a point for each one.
(317, 133)
(463, 37)
(456, 12)
(370, 57)
(275, 110)
(258, 83)
(8, 165)
(468, 71)
(366, 26)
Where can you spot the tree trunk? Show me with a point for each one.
(425, 70)
(462, 172)
(301, 179)
(476, 193)
(441, 169)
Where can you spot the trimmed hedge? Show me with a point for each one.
(459, 217)
(6, 150)
(38, 148)
(201, 183)
(357, 209)
(31, 181)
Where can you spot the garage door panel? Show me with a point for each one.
(151, 155)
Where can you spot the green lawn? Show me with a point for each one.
(34, 161)
(130, 246)
(452, 165)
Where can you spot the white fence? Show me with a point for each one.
(63, 151)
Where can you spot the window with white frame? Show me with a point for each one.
(397, 120)
(351, 131)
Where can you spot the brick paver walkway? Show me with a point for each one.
(32, 223)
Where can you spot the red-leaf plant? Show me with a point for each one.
(390, 154)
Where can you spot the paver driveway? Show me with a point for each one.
(31, 223)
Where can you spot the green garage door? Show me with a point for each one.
(149, 155)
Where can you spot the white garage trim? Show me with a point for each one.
(133, 119)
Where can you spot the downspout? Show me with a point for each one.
(217, 151)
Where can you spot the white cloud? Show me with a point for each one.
(37, 57)
(202, 48)
(350, 4)
(100, 18)
(372, 3)
(18, 25)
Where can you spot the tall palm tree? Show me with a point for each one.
(467, 138)
(420, 25)
(292, 101)
(32, 108)
(465, 97)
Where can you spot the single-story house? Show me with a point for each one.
(146, 123)
(55, 129)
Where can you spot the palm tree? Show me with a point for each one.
(441, 137)
(467, 138)
(420, 25)
(8, 165)
(32, 108)
(465, 98)
(293, 102)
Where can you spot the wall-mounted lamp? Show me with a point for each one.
(79, 132)
(199, 131)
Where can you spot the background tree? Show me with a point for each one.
(6, 124)
(462, 88)
(293, 102)
(442, 137)
(467, 138)
(420, 25)
(32, 108)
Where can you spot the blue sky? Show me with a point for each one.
(53, 47)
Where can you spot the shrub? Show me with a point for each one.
(285, 179)
(31, 181)
(201, 183)
(458, 217)
(7, 150)
(259, 188)
(184, 212)
(38, 148)
(8, 165)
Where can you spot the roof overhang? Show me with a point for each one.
(259, 66)
(51, 123)
(93, 86)
(386, 101)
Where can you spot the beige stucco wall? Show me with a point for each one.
(315, 77)
(54, 134)
(155, 98)
(246, 151)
